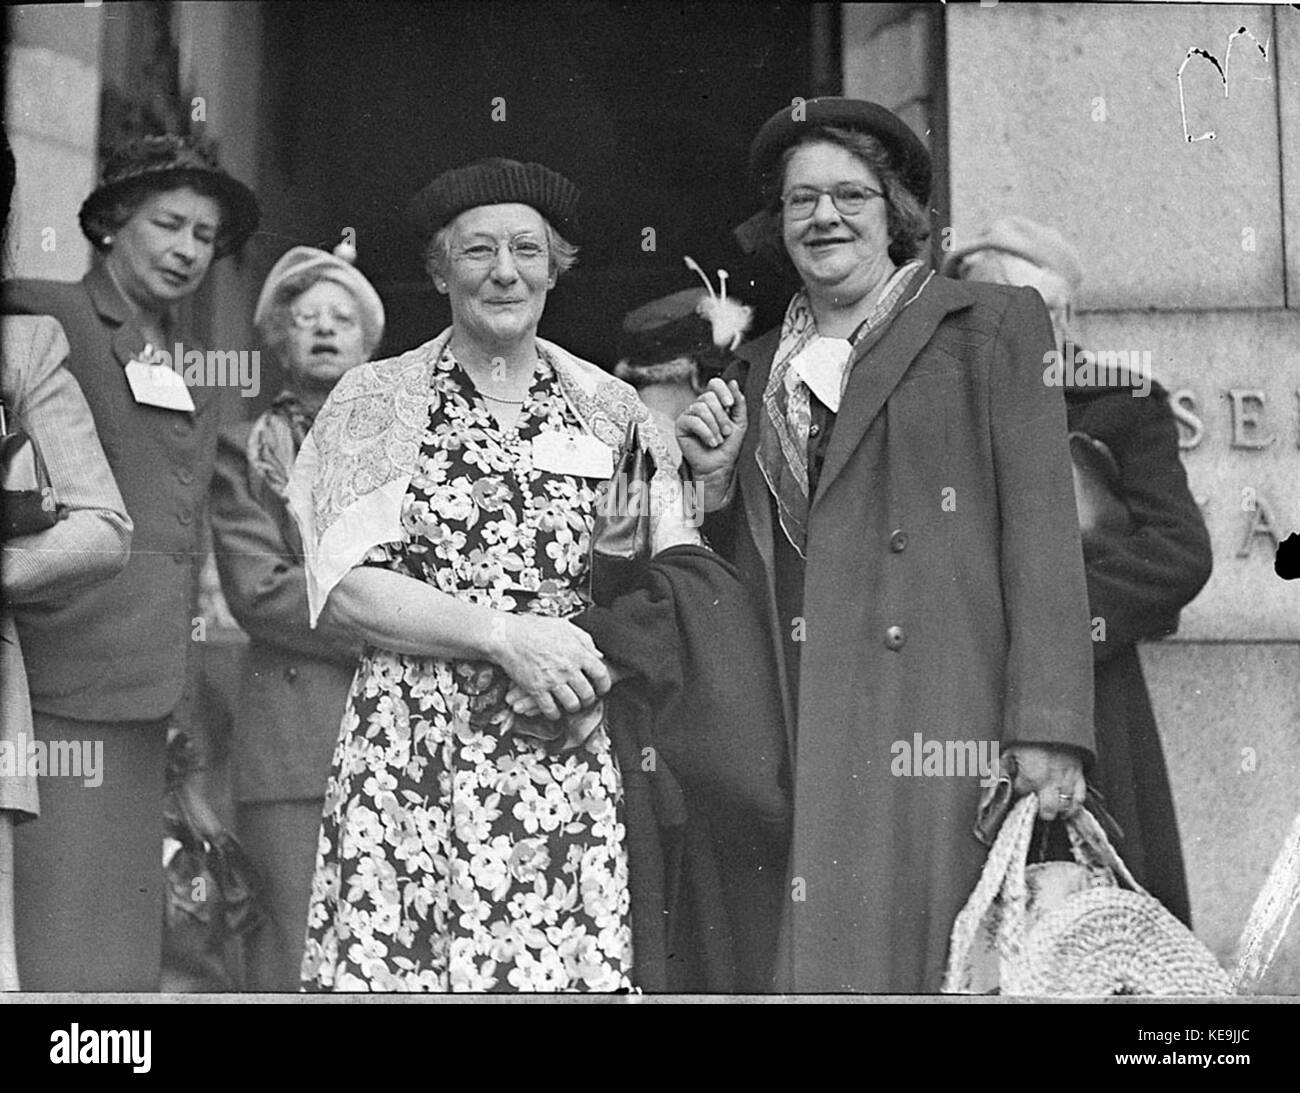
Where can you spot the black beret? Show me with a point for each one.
(495, 182)
(790, 123)
(167, 162)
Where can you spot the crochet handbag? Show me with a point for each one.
(1071, 929)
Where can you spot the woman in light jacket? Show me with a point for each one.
(89, 544)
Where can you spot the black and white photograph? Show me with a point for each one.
(650, 502)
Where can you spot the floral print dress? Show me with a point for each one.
(456, 853)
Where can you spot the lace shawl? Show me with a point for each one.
(346, 488)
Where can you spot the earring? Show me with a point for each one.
(108, 240)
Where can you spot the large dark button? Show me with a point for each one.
(180, 556)
(185, 475)
(894, 638)
(291, 674)
(898, 542)
(185, 516)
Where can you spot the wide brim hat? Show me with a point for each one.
(332, 267)
(167, 162)
(496, 181)
(791, 123)
(1018, 235)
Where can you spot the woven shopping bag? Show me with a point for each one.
(1071, 929)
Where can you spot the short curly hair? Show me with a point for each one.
(906, 219)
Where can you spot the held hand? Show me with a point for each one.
(526, 705)
(709, 433)
(552, 660)
(1055, 774)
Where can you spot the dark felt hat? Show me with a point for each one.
(789, 124)
(497, 181)
(166, 162)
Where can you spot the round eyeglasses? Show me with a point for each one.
(483, 255)
(847, 197)
(308, 317)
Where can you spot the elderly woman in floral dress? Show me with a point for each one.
(446, 499)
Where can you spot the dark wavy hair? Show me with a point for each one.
(109, 220)
(906, 218)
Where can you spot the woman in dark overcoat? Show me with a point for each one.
(891, 476)
(1139, 576)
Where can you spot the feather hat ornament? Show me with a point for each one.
(729, 319)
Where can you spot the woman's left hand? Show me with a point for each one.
(1055, 774)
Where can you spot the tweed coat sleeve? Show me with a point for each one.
(1048, 679)
(1139, 582)
(263, 579)
(92, 543)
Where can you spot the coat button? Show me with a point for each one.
(184, 475)
(898, 542)
(185, 516)
(894, 638)
(180, 556)
(291, 674)
(814, 430)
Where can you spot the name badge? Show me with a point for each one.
(567, 453)
(157, 385)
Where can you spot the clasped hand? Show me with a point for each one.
(555, 666)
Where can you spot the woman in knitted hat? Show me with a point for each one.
(319, 317)
(110, 665)
(892, 478)
(445, 499)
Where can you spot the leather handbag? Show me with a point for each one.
(621, 538)
(1097, 492)
(27, 501)
(212, 892)
(1071, 929)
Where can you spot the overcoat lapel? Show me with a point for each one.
(758, 507)
(127, 339)
(877, 372)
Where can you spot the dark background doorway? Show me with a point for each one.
(648, 107)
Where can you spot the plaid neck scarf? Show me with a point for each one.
(782, 451)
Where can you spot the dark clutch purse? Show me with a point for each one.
(1097, 487)
(27, 501)
(620, 531)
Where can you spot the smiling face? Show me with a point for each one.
(497, 294)
(162, 253)
(325, 336)
(841, 259)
